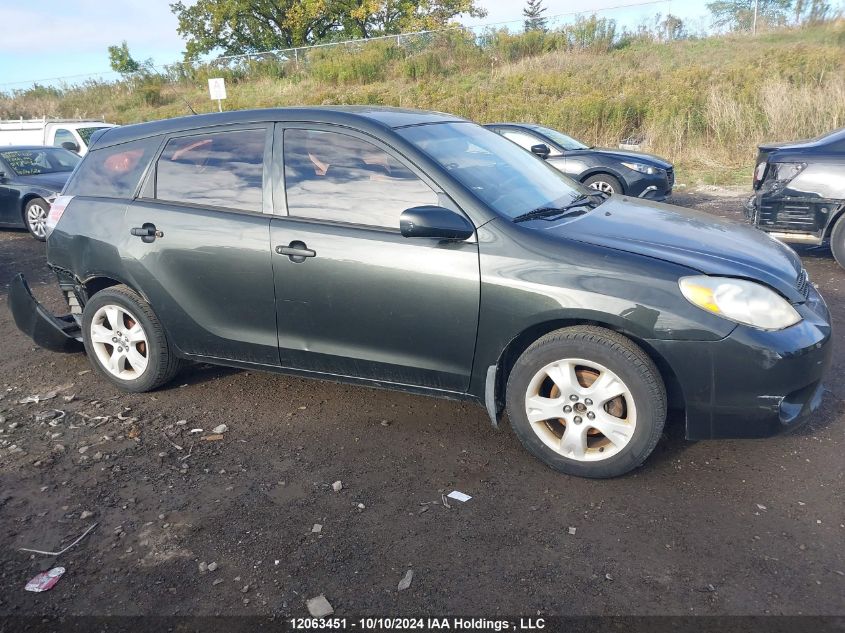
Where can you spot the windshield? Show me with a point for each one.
(86, 132)
(33, 162)
(566, 142)
(508, 179)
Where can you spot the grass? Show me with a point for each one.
(703, 103)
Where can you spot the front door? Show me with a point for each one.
(10, 204)
(202, 256)
(354, 297)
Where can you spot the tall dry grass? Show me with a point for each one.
(703, 103)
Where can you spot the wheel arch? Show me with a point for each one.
(838, 216)
(604, 170)
(522, 341)
(93, 284)
(26, 199)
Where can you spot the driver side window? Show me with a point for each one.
(523, 139)
(340, 178)
(63, 136)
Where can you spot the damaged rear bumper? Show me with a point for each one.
(57, 334)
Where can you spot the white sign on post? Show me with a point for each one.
(217, 90)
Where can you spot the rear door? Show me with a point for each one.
(354, 297)
(205, 265)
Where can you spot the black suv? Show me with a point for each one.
(418, 251)
(799, 192)
(608, 170)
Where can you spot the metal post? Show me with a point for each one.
(754, 27)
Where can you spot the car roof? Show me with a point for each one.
(361, 117)
(7, 148)
(530, 126)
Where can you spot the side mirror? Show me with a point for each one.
(70, 145)
(542, 150)
(436, 222)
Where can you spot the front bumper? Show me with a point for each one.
(58, 334)
(655, 187)
(754, 383)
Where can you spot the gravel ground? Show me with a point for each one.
(720, 527)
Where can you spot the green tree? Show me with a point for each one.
(738, 15)
(812, 11)
(244, 26)
(670, 28)
(121, 60)
(534, 18)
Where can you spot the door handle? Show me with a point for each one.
(296, 251)
(147, 232)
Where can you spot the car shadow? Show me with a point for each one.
(199, 373)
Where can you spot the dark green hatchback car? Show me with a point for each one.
(419, 251)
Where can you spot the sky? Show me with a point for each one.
(70, 38)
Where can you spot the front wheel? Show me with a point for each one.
(125, 341)
(605, 183)
(837, 241)
(35, 216)
(587, 401)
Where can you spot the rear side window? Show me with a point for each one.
(112, 172)
(221, 169)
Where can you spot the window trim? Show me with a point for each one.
(282, 210)
(147, 191)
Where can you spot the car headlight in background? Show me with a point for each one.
(643, 168)
(740, 300)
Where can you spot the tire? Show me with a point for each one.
(35, 217)
(604, 182)
(600, 362)
(837, 241)
(118, 314)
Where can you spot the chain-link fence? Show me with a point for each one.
(503, 41)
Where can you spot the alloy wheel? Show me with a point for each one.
(601, 185)
(36, 218)
(119, 341)
(581, 409)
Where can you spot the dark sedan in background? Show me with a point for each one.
(608, 170)
(28, 177)
(799, 192)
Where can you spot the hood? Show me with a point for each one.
(697, 240)
(53, 182)
(629, 156)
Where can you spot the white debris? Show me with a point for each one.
(406, 580)
(761, 506)
(212, 566)
(220, 428)
(317, 528)
(457, 495)
(337, 486)
(572, 530)
(319, 607)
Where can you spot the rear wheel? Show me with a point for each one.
(605, 183)
(35, 216)
(125, 341)
(837, 241)
(587, 401)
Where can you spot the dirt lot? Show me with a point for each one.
(722, 527)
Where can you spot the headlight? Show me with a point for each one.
(739, 300)
(642, 168)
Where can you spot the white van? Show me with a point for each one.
(72, 134)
